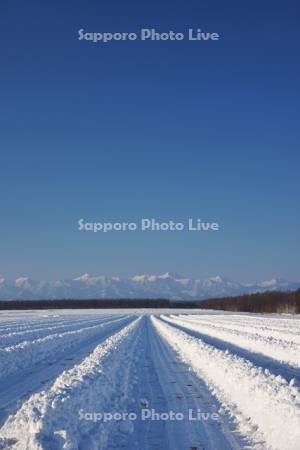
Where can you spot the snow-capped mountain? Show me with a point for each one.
(168, 285)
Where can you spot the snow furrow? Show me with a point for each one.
(16, 337)
(283, 351)
(43, 321)
(101, 382)
(288, 334)
(266, 408)
(28, 353)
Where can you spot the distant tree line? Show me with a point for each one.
(80, 304)
(260, 302)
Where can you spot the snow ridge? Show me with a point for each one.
(265, 406)
(54, 414)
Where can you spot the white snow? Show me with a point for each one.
(266, 407)
(284, 347)
(58, 366)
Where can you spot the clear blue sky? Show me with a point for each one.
(150, 129)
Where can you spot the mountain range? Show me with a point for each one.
(168, 285)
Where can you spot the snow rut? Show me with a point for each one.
(160, 364)
(16, 337)
(51, 419)
(266, 408)
(20, 325)
(284, 351)
(27, 353)
(288, 330)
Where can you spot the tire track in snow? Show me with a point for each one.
(266, 408)
(145, 367)
(182, 391)
(169, 369)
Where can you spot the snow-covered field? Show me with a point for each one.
(149, 379)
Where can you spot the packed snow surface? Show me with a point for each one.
(149, 379)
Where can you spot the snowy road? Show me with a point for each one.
(149, 380)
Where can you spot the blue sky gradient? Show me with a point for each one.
(119, 131)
